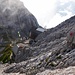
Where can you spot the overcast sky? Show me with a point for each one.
(50, 13)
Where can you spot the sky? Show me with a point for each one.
(50, 13)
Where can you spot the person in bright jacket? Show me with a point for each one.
(71, 39)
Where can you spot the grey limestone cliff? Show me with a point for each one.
(14, 17)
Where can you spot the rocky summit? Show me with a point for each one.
(48, 54)
(15, 17)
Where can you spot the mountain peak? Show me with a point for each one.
(14, 14)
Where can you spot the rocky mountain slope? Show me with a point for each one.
(49, 52)
(15, 17)
(49, 55)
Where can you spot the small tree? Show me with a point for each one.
(6, 53)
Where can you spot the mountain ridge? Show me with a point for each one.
(16, 17)
(50, 52)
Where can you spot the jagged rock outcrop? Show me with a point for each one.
(49, 52)
(15, 17)
(59, 31)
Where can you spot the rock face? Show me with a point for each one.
(15, 17)
(49, 52)
(59, 31)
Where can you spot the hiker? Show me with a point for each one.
(33, 33)
(71, 39)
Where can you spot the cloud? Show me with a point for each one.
(66, 5)
(64, 10)
(43, 10)
(50, 13)
(57, 19)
